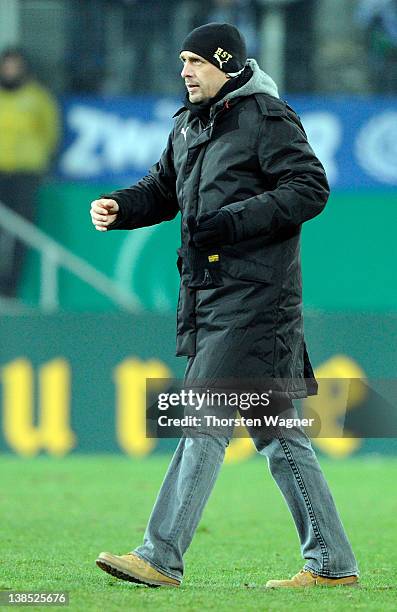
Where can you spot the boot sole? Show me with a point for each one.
(123, 575)
(352, 585)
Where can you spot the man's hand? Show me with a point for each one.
(103, 213)
(211, 229)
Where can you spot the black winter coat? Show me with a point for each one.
(253, 160)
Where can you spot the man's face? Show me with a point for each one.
(12, 72)
(12, 67)
(203, 80)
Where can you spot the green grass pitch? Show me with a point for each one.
(57, 514)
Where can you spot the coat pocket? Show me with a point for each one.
(248, 270)
(203, 270)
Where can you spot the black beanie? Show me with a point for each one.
(218, 43)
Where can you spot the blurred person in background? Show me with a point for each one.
(241, 172)
(154, 19)
(378, 19)
(29, 133)
(86, 47)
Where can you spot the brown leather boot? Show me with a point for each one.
(305, 578)
(133, 568)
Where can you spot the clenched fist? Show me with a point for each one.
(103, 213)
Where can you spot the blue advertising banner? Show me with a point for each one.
(113, 139)
(118, 139)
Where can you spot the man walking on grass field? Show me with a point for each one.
(238, 168)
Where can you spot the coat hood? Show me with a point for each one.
(259, 83)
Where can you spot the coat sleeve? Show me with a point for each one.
(296, 185)
(152, 199)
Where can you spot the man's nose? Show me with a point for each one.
(186, 71)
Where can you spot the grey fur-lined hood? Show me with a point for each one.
(260, 82)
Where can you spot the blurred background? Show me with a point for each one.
(87, 94)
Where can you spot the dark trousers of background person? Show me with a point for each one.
(18, 191)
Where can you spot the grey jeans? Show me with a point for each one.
(293, 464)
